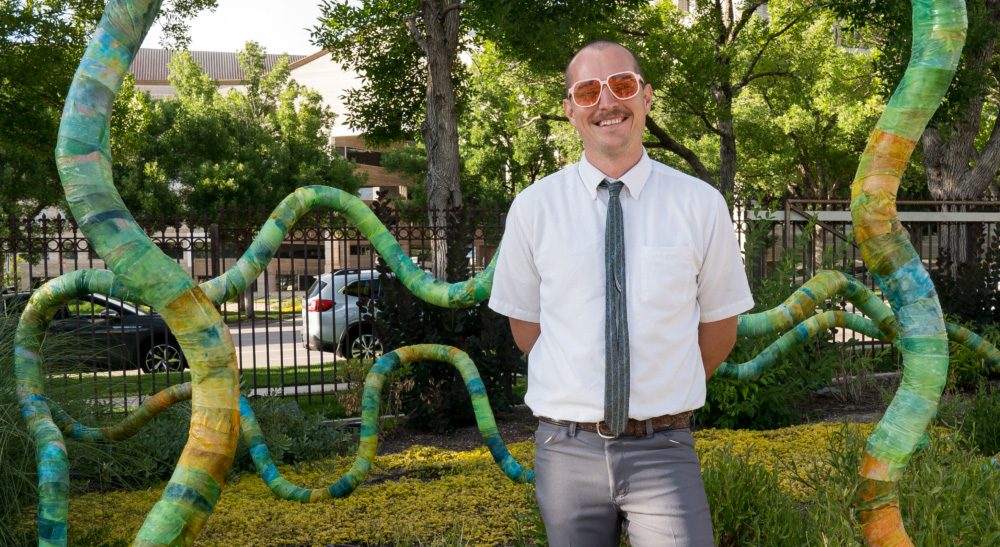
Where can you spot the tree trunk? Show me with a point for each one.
(727, 157)
(727, 137)
(439, 41)
(955, 169)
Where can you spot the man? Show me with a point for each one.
(622, 280)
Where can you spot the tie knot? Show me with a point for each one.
(614, 187)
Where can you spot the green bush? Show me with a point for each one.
(770, 401)
(982, 424)
(437, 399)
(293, 436)
(748, 505)
(792, 486)
(966, 370)
(140, 462)
(970, 291)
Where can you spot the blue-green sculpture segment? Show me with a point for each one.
(253, 437)
(50, 449)
(463, 294)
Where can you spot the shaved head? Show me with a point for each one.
(600, 45)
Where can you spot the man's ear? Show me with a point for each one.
(568, 109)
(647, 97)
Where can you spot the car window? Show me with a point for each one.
(360, 288)
(316, 287)
(84, 309)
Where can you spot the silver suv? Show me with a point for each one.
(332, 314)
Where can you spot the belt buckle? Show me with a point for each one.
(602, 435)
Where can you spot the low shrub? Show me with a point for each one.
(293, 436)
(968, 371)
(982, 423)
(436, 398)
(772, 400)
(747, 502)
(792, 486)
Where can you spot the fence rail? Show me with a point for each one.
(266, 322)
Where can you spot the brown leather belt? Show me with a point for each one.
(634, 428)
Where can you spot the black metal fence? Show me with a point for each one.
(102, 353)
(127, 359)
(812, 235)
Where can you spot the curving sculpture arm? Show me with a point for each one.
(253, 437)
(83, 158)
(425, 286)
(938, 37)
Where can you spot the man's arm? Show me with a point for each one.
(526, 333)
(715, 339)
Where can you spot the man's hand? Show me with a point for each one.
(716, 340)
(525, 333)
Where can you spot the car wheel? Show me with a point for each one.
(364, 345)
(163, 357)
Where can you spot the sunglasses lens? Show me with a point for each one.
(624, 86)
(587, 92)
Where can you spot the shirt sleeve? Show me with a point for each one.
(723, 289)
(516, 281)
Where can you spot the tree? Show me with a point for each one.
(393, 45)
(212, 152)
(701, 63)
(505, 149)
(801, 136)
(41, 43)
(961, 144)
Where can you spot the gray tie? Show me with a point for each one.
(616, 357)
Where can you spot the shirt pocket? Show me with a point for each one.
(669, 276)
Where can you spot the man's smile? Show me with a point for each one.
(611, 121)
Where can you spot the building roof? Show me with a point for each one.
(150, 65)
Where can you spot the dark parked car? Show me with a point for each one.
(111, 331)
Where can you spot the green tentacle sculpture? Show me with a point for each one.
(139, 271)
(254, 439)
(265, 245)
(939, 28)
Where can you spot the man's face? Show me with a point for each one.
(612, 128)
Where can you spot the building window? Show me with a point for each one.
(359, 250)
(300, 250)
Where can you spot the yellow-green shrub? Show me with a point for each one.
(427, 495)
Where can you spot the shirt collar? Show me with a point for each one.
(634, 179)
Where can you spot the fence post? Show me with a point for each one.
(785, 235)
(215, 254)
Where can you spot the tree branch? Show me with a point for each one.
(987, 164)
(411, 26)
(668, 143)
(747, 76)
(541, 117)
(448, 9)
(745, 17)
(699, 113)
(765, 74)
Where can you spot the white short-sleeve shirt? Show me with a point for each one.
(683, 267)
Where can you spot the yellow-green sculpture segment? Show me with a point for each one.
(139, 271)
(939, 28)
(83, 158)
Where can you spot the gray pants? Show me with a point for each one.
(588, 488)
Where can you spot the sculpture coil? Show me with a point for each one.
(139, 271)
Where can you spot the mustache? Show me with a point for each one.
(616, 113)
